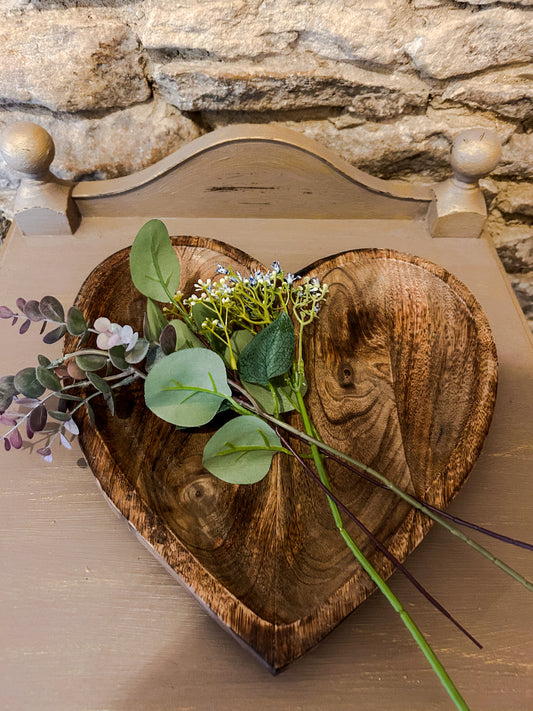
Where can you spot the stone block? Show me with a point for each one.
(459, 42)
(69, 61)
(508, 92)
(514, 243)
(362, 31)
(277, 83)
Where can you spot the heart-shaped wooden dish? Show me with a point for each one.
(402, 374)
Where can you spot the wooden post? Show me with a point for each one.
(43, 204)
(458, 209)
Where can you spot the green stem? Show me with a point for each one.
(374, 575)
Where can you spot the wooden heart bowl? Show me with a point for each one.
(402, 373)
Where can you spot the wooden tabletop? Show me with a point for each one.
(91, 621)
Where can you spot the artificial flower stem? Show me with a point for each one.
(402, 494)
(376, 542)
(407, 620)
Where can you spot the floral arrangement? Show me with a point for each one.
(236, 344)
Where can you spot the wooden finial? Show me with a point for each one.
(28, 149)
(459, 209)
(43, 204)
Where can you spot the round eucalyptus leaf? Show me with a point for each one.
(91, 362)
(48, 378)
(168, 339)
(38, 417)
(26, 383)
(52, 309)
(138, 352)
(43, 360)
(116, 356)
(241, 451)
(76, 323)
(7, 385)
(180, 387)
(32, 311)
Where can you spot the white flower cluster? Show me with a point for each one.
(112, 334)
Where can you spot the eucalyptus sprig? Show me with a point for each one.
(236, 345)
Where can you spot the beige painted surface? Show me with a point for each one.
(91, 621)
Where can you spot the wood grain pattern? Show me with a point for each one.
(402, 375)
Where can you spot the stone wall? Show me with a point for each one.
(385, 83)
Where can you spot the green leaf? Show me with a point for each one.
(154, 322)
(51, 308)
(117, 357)
(226, 456)
(154, 265)
(262, 394)
(185, 338)
(7, 385)
(61, 416)
(155, 354)
(48, 378)
(76, 323)
(270, 353)
(55, 335)
(138, 352)
(91, 362)
(98, 382)
(200, 312)
(44, 361)
(90, 413)
(26, 383)
(174, 387)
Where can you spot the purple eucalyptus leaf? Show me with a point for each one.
(25, 326)
(6, 312)
(16, 439)
(8, 420)
(21, 303)
(7, 444)
(15, 319)
(32, 311)
(46, 453)
(38, 417)
(55, 335)
(29, 431)
(43, 328)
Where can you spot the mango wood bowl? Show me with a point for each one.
(402, 374)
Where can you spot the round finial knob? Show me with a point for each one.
(28, 148)
(475, 153)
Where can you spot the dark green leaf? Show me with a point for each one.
(7, 385)
(116, 356)
(48, 378)
(154, 355)
(225, 454)
(43, 360)
(167, 339)
(55, 335)
(90, 413)
(68, 396)
(51, 308)
(270, 353)
(154, 265)
(98, 382)
(26, 383)
(76, 323)
(138, 352)
(154, 322)
(91, 362)
(170, 389)
(5, 402)
(61, 416)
